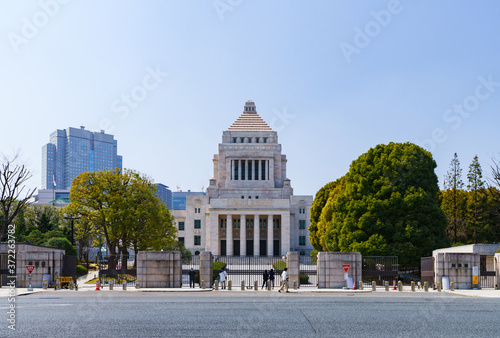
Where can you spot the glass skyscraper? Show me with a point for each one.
(73, 151)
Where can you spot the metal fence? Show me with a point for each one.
(308, 271)
(251, 268)
(119, 274)
(380, 269)
(188, 263)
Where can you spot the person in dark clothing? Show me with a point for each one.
(265, 277)
(192, 274)
(271, 277)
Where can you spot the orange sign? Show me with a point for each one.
(475, 279)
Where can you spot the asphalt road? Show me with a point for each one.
(217, 314)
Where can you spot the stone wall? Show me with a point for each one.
(159, 269)
(457, 266)
(330, 271)
(47, 261)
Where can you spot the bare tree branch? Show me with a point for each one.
(13, 193)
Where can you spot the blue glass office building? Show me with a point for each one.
(73, 151)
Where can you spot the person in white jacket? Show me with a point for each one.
(222, 278)
(284, 281)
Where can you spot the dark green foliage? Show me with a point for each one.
(304, 279)
(314, 256)
(185, 253)
(81, 270)
(62, 243)
(387, 206)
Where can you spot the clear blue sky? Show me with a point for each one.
(347, 75)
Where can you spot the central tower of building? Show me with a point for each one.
(249, 208)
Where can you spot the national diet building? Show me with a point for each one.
(249, 208)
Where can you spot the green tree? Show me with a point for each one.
(476, 197)
(123, 208)
(318, 204)
(453, 202)
(388, 205)
(61, 243)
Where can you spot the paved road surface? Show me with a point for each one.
(215, 314)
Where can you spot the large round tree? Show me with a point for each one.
(387, 206)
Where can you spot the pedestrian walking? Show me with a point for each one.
(271, 277)
(284, 281)
(222, 278)
(265, 277)
(192, 275)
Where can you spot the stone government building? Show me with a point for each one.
(249, 208)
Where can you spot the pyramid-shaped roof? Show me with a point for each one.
(250, 120)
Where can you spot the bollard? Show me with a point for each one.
(216, 285)
(137, 284)
(268, 284)
(256, 285)
(44, 284)
(111, 284)
(426, 287)
(360, 285)
(400, 286)
(71, 287)
(124, 285)
(374, 286)
(76, 287)
(452, 286)
(413, 286)
(439, 286)
(295, 285)
(203, 284)
(229, 285)
(386, 286)
(242, 285)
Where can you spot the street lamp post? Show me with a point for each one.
(72, 228)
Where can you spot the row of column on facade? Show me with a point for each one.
(255, 222)
(249, 170)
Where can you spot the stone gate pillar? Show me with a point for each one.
(206, 267)
(331, 272)
(293, 265)
(497, 270)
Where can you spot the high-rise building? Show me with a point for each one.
(165, 194)
(249, 208)
(73, 151)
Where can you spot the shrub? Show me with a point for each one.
(81, 270)
(304, 279)
(62, 243)
(279, 265)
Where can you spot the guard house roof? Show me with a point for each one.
(250, 120)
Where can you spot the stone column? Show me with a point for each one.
(256, 235)
(206, 267)
(285, 232)
(497, 270)
(212, 233)
(229, 235)
(293, 265)
(270, 236)
(243, 236)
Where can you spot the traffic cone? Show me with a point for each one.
(394, 288)
(354, 285)
(97, 285)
